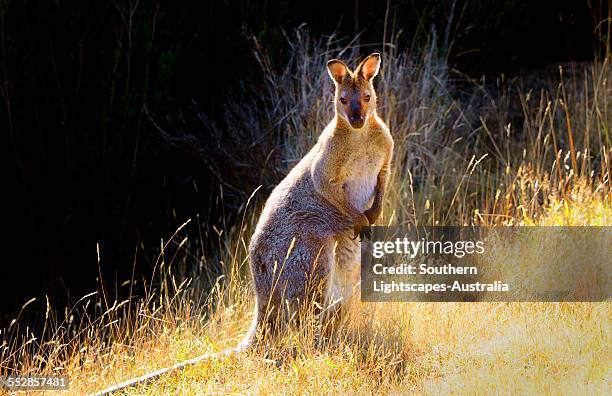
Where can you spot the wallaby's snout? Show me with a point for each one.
(357, 122)
(356, 117)
(355, 96)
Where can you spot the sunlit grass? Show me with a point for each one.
(429, 348)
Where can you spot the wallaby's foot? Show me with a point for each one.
(329, 323)
(327, 333)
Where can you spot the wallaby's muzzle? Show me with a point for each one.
(356, 116)
(357, 121)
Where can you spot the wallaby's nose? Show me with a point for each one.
(357, 120)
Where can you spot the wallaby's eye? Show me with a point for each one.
(343, 100)
(366, 98)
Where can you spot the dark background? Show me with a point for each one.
(82, 80)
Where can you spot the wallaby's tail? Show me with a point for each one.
(249, 339)
(144, 379)
(246, 343)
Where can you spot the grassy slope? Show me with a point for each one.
(428, 348)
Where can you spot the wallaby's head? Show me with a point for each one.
(355, 97)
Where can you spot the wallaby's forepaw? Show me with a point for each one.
(363, 233)
(366, 233)
(359, 223)
(372, 214)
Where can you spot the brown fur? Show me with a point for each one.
(305, 235)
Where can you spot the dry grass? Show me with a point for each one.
(516, 152)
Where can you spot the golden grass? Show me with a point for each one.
(422, 348)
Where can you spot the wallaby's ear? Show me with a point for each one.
(337, 70)
(369, 67)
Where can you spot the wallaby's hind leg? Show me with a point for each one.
(287, 290)
(343, 282)
(347, 264)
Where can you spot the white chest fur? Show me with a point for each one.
(362, 177)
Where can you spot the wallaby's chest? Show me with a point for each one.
(362, 169)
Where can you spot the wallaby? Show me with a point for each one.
(307, 231)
